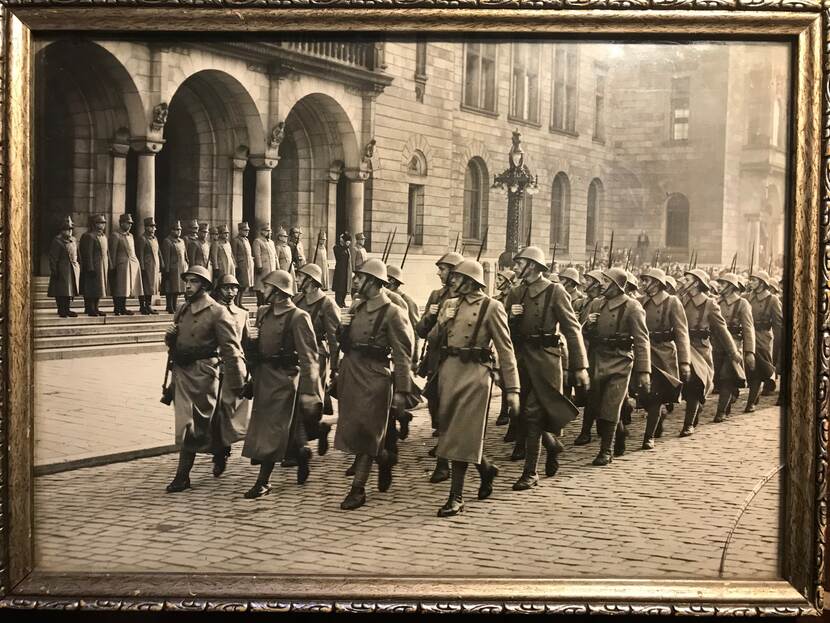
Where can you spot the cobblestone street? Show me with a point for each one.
(664, 513)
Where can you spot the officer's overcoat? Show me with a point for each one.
(198, 252)
(125, 266)
(221, 256)
(265, 259)
(244, 261)
(95, 264)
(173, 264)
(148, 259)
(736, 312)
(64, 269)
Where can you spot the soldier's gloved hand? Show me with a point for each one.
(592, 318)
(644, 382)
(399, 401)
(170, 334)
(346, 319)
(433, 310)
(749, 360)
(581, 378)
(308, 402)
(450, 311)
(517, 310)
(685, 371)
(253, 333)
(512, 404)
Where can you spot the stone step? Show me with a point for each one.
(47, 354)
(113, 330)
(43, 319)
(77, 341)
(46, 303)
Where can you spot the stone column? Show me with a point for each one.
(356, 197)
(237, 173)
(262, 199)
(118, 206)
(331, 206)
(146, 186)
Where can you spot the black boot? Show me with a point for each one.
(303, 460)
(323, 430)
(526, 481)
(59, 303)
(124, 310)
(97, 307)
(66, 306)
(488, 472)
(606, 441)
(752, 399)
(518, 453)
(182, 479)
(504, 416)
(404, 418)
(355, 498)
(88, 309)
(510, 434)
(653, 417)
(350, 471)
(262, 485)
(220, 461)
(584, 437)
(619, 439)
(553, 448)
(386, 461)
(441, 471)
(689, 421)
(455, 502)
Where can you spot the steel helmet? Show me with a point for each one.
(313, 271)
(631, 280)
(374, 268)
(570, 273)
(281, 280)
(714, 287)
(506, 274)
(596, 275)
(534, 254)
(763, 276)
(671, 284)
(450, 259)
(731, 279)
(700, 275)
(617, 275)
(471, 269)
(228, 280)
(656, 274)
(394, 273)
(774, 287)
(198, 271)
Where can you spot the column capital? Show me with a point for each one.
(263, 162)
(239, 164)
(146, 146)
(120, 150)
(357, 175)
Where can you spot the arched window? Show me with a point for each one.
(595, 192)
(560, 208)
(475, 199)
(677, 221)
(417, 169)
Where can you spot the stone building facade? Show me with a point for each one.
(684, 143)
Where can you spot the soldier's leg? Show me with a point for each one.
(301, 449)
(626, 410)
(532, 415)
(357, 495)
(88, 309)
(59, 306)
(584, 437)
(388, 457)
(754, 391)
(553, 448)
(608, 402)
(262, 486)
(96, 302)
(654, 412)
(220, 452)
(693, 394)
(725, 397)
(181, 481)
(487, 472)
(455, 502)
(124, 310)
(442, 466)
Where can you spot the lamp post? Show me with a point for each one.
(516, 180)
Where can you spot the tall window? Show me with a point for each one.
(680, 109)
(677, 221)
(475, 199)
(560, 207)
(417, 171)
(599, 105)
(593, 212)
(563, 112)
(421, 59)
(524, 82)
(480, 76)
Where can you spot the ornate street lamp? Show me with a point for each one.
(516, 181)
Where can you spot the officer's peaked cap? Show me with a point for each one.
(313, 271)
(281, 280)
(453, 258)
(198, 271)
(534, 254)
(204, 227)
(125, 218)
(99, 218)
(223, 229)
(374, 268)
(471, 269)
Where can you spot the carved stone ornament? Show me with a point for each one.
(160, 112)
(277, 135)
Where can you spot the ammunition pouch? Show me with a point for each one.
(281, 360)
(658, 337)
(468, 355)
(541, 340)
(736, 330)
(371, 351)
(700, 334)
(167, 394)
(621, 341)
(186, 357)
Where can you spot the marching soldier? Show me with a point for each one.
(569, 278)
(504, 281)
(466, 329)
(203, 334)
(64, 269)
(373, 331)
(668, 335)
(411, 308)
(265, 260)
(768, 318)
(95, 265)
(286, 383)
(221, 255)
(737, 313)
(428, 364)
(244, 260)
(231, 421)
(538, 310)
(125, 266)
(284, 257)
(173, 265)
(150, 263)
(592, 301)
(619, 345)
(705, 321)
(198, 247)
(325, 319)
(295, 241)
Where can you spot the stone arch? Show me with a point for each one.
(415, 145)
(473, 149)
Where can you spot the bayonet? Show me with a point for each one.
(406, 251)
(483, 244)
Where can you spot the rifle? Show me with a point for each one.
(628, 259)
(391, 242)
(386, 246)
(166, 387)
(657, 259)
(457, 238)
(553, 258)
(769, 268)
(695, 264)
(594, 258)
(752, 259)
(611, 251)
(316, 246)
(529, 228)
(734, 262)
(482, 245)
(406, 252)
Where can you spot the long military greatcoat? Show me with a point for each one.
(150, 262)
(424, 326)
(173, 264)
(322, 260)
(64, 269)
(282, 329)
(206, 327)
(325, 318)
(234, 410)
(343, 267)
(244, 261)
(464, 387)
(768, 318)
(364, 385)
(737, 313)
(665, 313)
(221, 254)
(265, 259)
(95, 265)
(284, 258)
(198, 252)
(125, 266)
(703, 313)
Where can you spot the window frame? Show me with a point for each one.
(479, 106)
(482, 193)
(531, 109)
(569, 88)
(563, 226)
(675, 96)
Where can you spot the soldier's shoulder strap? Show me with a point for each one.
(482, 312)
(260, 314)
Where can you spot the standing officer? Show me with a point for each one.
(126, 269)
(705, 321)
(618, 345)
(539, 310)
(202, 335)
(295, 241)
(768, 318)
(244, 260)
(95, 265)
(320, 257)
(360, 254)
(173, 264)
(325, 319)
(284, 258)
(343, 267)
(737, 313)
(64, 269)
(148, 260)
(428, 365)
(286, 383)
(214, 234)
(221, 255)
(265, 260)
(466, 328)
(668, 335)
(198, 247)
(372, 332)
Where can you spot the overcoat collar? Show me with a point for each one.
(699, 299)
(201, 303)
(537, 287)
(658, 298)
(313, 297)
(731, 298)
(282, 307)
(472, 297)
(618, 300)
(762, 296)
(375, 303)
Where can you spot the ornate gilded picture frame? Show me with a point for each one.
(800, 25)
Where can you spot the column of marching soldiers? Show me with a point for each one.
(602, 340)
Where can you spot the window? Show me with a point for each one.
(475, 199)
(420, 70)
(480, 76)
(563, 110)
(677, 221)
(560, 205)
(599, 106)
(593, 212)
(415, 220)
(680, 109)
(524, 83)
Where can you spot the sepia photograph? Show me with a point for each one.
(465, 306)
